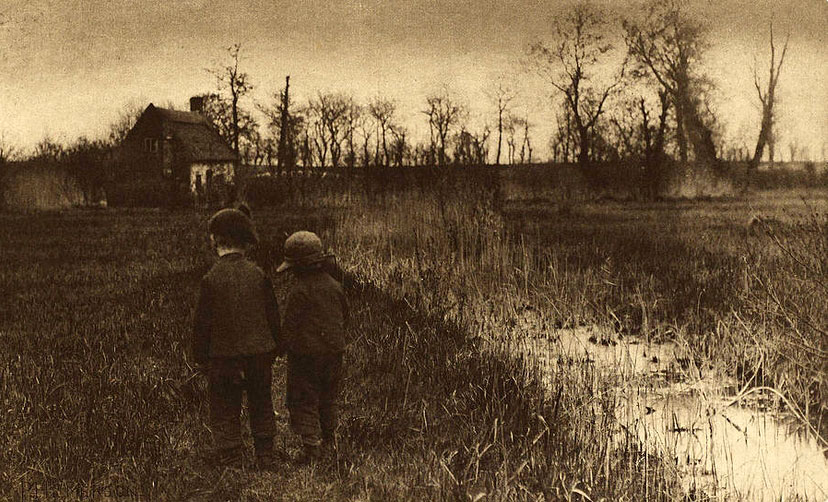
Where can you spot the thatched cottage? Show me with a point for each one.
(178, 146)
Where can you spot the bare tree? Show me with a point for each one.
(470, 147)
(126, 119)
(286, 123)
(669, 46)
(768, 100)
(444, 114)
(286, 153)
(623, 120)
(399, 145)
(316, 137)
(562, 142)
(481, 146)
(353, 116)
(330, 112)
(306, 150)
(382, 110)
(235, 131)
(511, 124)
(232, 80)
(526, 144)
(501, 94)
(336, 109)
(366, 129)
(580, 46)
(258, 149)
(795, 149)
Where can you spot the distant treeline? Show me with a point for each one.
(43, 183)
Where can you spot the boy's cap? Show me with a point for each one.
(233, 224)
(302, 248)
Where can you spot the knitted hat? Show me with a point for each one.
(303, 248)
(234, 226)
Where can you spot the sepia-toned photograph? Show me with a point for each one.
(414, 250)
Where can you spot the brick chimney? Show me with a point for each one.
(197, 104)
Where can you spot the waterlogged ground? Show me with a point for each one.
(735, 449)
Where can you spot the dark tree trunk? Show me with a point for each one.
(499, 134)
(583, 152)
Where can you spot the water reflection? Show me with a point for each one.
(687, 415)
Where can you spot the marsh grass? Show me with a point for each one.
(100, 399)
(98, 392)
(745, 302)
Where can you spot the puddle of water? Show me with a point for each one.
(681, 413)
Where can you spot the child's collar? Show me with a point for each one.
(223, 251)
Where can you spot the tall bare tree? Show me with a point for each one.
(568, 64)
(767, 98)
(330, 113)
(501, 93)
(232, 80)
(353, 116)
(286, 153)
(669, 45)
(316, 137)
(382, 110)
(286, 122)
(444, 114)
(526, 144)
(511, 124)
(234, 129)
(366, 130)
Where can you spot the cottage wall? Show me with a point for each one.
(138, 159)
(219, 173)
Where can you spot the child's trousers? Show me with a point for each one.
(313, 386)
(229, 378)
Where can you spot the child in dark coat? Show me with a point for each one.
(235, 336)
(313, 331)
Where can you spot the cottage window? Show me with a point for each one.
(150, 145)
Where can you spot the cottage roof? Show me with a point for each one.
(180, 116)
(194, 137)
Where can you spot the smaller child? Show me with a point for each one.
(235, 335)
(313, 331)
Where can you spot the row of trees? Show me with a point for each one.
(642, 94)
(645, 98)
(334, 129)
(661, 95)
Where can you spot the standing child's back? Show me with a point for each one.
(235, 335)
(313, 332)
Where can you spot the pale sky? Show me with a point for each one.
(68, 67)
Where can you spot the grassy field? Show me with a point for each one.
(99, 396)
